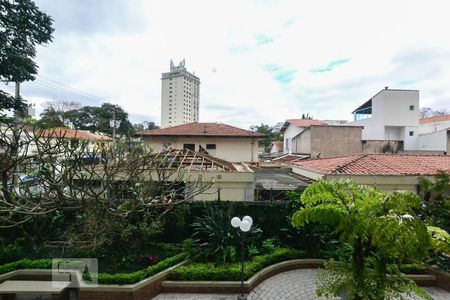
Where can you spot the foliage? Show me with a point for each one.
(26, 264)
(130, 278)
(435, 194)
(337, 280)
(24, 27)
(427, 112)
(381, 229)
(92, 118)
(215, 236)
(269, 216)
(232, 272)
(145, 126)
(270, 135)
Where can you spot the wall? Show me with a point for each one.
(302, 143)
(411, 142)
(381, 146)
(434, 126)
(290, 132)
(436, 141)
(229, 149)
(396, 107)
(234, 186)
(329, 141)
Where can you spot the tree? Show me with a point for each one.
(381, 229)
(435, 195)
(101, 117)
(145, 126)
(60, 114)
(307, 116)
(270, 135)
(22, 27)
(427, 112)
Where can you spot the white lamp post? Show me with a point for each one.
(244, 225)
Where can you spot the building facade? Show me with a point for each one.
(218, 140)
(180, 95)
(390, 115)
(293, 127)
(327, 141)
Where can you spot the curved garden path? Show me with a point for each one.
(296, 284)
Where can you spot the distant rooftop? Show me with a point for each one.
(434, 119)
(201, 130)
(378, 164)
(60, 132)
(301, 123)
(366, 107)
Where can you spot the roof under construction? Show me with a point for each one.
(188, 160)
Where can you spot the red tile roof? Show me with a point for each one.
(74, 134)
(201, 129)
(379, 164)
(435, 119)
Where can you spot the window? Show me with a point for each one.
(411, 107)
(411, 133)
(210, 146)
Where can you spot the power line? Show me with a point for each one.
(56, 83)
(58, 89)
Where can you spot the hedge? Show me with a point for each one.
(130, 278)
(269, 216)
(26, 264)
(104, 278)
(232, 272)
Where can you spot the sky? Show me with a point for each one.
(259, 61)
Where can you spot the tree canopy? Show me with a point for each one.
(23, 27)
(270, 134)
(92, 118)
(382, 229)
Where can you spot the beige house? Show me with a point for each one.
(328, 141)
(387, 172)
(219, 140)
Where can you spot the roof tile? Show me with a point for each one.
(379, 164)
(201, 129)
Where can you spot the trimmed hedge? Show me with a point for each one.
(103, 278)
(26, 264)
(130, 278)
(232, 272)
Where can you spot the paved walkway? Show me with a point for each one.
(296, 284)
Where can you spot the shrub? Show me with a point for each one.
(232, 272)
(26, 264)
(130, 278)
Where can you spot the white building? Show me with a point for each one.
(434, 134)
(292, 128)
(390, 115)
(180, 94)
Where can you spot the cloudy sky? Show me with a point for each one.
(259, 61)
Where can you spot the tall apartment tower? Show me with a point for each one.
(180, 93)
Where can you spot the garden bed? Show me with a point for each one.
(103, 278)
(232, 272)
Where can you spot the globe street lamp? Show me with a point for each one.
(244, 225)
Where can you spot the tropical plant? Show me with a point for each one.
(216, 238)
(382, 229)
(435, 194)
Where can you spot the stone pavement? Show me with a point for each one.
(296, 284)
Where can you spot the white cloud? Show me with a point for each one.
(119, 52)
